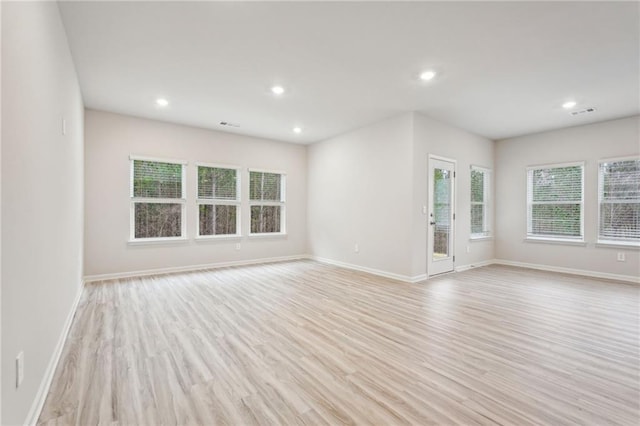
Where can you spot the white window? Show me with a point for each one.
(555, 202)
(619, 201)
(218, 201)
(157, 199)
(480, 184)
(266, 200)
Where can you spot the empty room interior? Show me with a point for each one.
(320, 213)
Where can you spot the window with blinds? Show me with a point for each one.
(480, 181)
(218, 201)
(266, 198)
(619, 201)
(555, 202)
(157, 199)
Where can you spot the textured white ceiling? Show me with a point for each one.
(504, 68)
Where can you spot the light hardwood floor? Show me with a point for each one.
(307, 343)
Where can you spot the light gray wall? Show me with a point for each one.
(0, 219)
(360, 192)
(42, 193)
(432, 137)
(111, 138)
(369, 186)
(588, 143)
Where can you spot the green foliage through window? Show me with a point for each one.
(619, 200)
(555, 201)
(479, 201)
(161, 182)
(218, 196)
(153, 179)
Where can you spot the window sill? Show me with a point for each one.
(204, 238)
(152, 241)
(481, 238)
(618, 244)
(559, 241)
(269, 235)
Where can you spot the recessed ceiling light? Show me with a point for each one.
(569, 104)
(427, 75)
(297, 130)
(277, 90)
(162, 102)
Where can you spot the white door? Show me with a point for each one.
(441, 216)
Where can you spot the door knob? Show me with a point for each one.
(432, 223)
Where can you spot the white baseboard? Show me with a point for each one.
(463, 268)
(45, 384)
(174, 269)
(572, 271)
(393, 276)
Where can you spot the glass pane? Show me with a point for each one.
(477, 186)
(556, 220)
(217, 220)
(157, 180)
(442, 213)
(265, 219)
(557, 184)
(265, 186)
(156, 220)
(621, 180)
(217, 183)
(620, 221)
(477, 219)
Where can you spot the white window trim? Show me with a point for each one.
(219, 202)
(486, 235)
(603, 242)
(133, 200)
(281, 203)
(544, 238)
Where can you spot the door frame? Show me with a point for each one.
(430, 159)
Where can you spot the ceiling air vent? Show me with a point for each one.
(228, 124)
(583, 111)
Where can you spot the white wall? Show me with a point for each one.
(368, 187)
(432, 137)
(111, 138)
(588, 143)
(360, 192)
(42, 195)
(0, 217)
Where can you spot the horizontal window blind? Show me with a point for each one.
(153, 179)
(217, 183)
(555, 201)
(264, 186)
(619, 196)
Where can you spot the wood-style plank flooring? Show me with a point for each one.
(307, 343)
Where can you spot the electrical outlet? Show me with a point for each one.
(64, 126)
(424, 209)
(238, 246)
(19, 369)
(356, 248)
(621, 257)
(468, 249)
